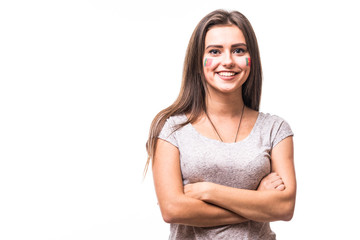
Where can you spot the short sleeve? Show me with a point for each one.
(281, 131)
(168, 132)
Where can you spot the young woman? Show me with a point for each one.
(222, 169)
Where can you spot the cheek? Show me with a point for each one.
(248, 61)
(244, 62)
(210, 63)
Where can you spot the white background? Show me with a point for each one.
(80, 82)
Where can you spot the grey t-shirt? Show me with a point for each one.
(240, 165)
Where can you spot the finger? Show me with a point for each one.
(270, 177)
(281, 187)
(273, 174)
(277, 182)
(276, 178)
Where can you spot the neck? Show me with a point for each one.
(226, 105)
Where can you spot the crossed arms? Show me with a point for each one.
(206, 204)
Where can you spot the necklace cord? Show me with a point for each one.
(237, 132)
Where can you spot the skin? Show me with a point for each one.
(206, 204)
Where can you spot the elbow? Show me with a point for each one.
(287, 216)
(282, 209)
(287, 207)
(169, 213)
(168, 218)
(287, 211)
(290, 212)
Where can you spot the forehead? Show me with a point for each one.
(223, 35)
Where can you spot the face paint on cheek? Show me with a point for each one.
(207, 62)
(248, 61)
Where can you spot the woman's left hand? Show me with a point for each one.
(197, 190)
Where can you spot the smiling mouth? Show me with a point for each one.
(227, 74)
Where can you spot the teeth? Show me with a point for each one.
(226, 74)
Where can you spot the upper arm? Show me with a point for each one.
(167, 174)
(282, 162)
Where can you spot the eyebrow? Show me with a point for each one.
(234, 45)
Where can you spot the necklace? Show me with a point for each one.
(237, 132)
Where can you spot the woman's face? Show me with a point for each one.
(226, 60)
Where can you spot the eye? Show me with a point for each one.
(214, 52)
(239, 51)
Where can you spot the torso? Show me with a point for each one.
(203, 158)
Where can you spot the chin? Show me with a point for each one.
(229, 90)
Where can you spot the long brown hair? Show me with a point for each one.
(191, 99)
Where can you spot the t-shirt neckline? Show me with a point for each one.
(218, 141)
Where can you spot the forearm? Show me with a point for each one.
(194, 212)
(262, 206)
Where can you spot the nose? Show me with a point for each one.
(228, 60)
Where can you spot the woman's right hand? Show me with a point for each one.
(271, 182)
